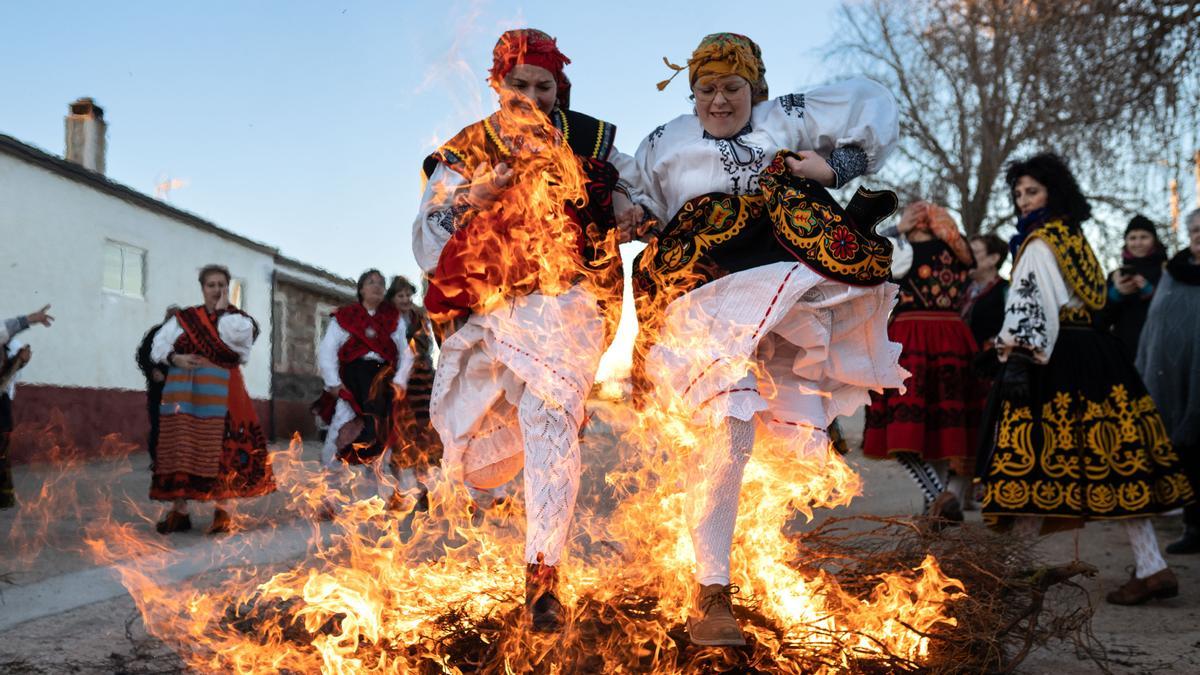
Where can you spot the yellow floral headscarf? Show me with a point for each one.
(725, 54)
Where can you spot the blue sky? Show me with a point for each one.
(303, 124)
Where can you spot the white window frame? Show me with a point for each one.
(124, 248)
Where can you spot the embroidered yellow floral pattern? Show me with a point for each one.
(1107, 458)
(1076, 260)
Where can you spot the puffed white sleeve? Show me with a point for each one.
(404, 364)
(327, 353)
(237, 332)
(637, 177)
(164, 341)
(854, 124)
(902, 257)
(1034, 299)
(630, 181)
(440, 215)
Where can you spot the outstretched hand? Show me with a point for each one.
(41, 316)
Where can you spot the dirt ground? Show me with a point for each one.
(53, 626)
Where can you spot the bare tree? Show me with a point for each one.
(1103, 82)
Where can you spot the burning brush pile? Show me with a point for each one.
(443, 592)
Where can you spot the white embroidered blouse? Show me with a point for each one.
(1037, 294)
(235, 330)
(853, 124)
(336, 336)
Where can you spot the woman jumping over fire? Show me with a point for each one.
(535, 281)
(761, 302)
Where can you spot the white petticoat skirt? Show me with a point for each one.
(549, 344)
(777, 343)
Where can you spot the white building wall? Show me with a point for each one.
(52, 235)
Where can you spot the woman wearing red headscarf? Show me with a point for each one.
(533, 279)
(931, 427)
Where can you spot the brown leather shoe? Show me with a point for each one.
(1136, 591)
(545, 610)
(711, 622)
(221, 523)
(174, 522)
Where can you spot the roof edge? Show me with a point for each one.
(71, 171)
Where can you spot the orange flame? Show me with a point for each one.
(372, 598)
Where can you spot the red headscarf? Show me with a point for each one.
(531, 47)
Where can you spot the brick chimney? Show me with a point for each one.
(86, 131)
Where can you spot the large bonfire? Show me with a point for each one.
(442, 592)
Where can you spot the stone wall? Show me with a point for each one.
(301, 312)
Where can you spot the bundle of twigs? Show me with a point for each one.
(1011, 606)
(1013, 602)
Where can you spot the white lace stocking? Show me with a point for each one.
(552, 468)
(1147, 558)
(714, 484)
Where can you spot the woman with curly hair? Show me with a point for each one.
(1076, 436)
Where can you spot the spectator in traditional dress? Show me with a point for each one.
(365, 361)
(1076, 436)
(415, 444)
(931, 428)
(156, 379)
(211, 445)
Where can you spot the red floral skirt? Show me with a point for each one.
(937, 417)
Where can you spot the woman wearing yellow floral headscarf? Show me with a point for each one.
(756, 275)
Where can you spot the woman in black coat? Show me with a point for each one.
(1131, 286)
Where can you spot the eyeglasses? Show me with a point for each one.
(730, 90)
